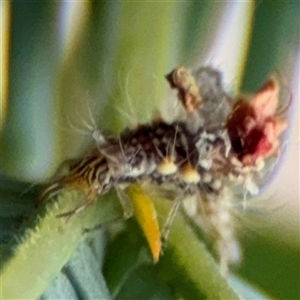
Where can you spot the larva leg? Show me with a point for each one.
(50, 191)
(88, 200)
(125, 203)
(56, 185)
(171, 216)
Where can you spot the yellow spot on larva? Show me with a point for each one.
(167, 166)
(189, 174)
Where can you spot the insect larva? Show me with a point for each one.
(214, 148)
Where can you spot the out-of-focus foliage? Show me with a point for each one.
(69, 64)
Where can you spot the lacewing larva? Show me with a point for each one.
(217, 145)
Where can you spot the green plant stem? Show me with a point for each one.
(45, 243)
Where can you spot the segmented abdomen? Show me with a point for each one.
(159, 153)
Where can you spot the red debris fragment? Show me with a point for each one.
(254, 126)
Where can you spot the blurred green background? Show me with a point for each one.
(68, 64)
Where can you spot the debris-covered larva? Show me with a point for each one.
(218, 145)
